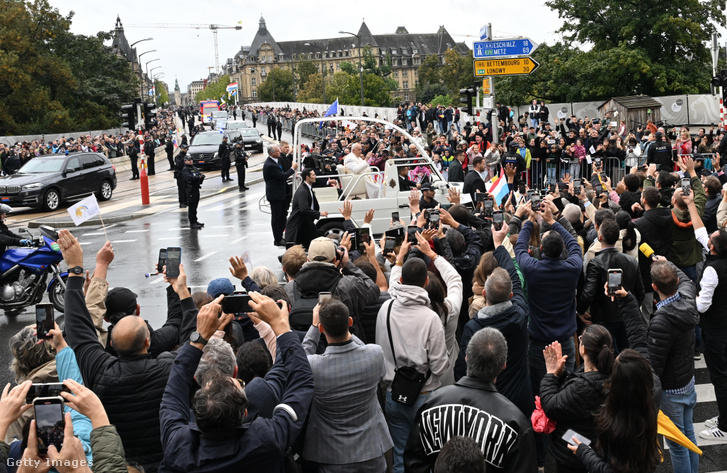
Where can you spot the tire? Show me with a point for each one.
(105, 191)
(332, 225)
(51, 200)
(57, 294)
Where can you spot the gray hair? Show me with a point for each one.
(498, 286)
(572, 213)
(272, 149)
(486, 354)
(264, 277)
(28, 354)
(218, 357)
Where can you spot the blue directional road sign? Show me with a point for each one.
(504, 47)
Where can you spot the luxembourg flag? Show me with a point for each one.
(498, 188)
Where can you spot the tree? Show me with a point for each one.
(215, 90)
(277, 86)
(430, 71)
(457, 72)
(347, 88)
(428, 92)
(303, 71)
(312, 89)
(445, 100)
(161, 91)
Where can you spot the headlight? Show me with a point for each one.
(258, 140)
(215, 155)
(30, 187)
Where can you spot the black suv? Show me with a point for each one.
(47, 181)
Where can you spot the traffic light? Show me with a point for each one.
(128, 115)
(149, 116)
(468, 94)
(720, 80)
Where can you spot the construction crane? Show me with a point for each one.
(193, 26)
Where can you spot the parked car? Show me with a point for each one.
(250, 137)
(236, 125)
(48, 181)
(219, 119)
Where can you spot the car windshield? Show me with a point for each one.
(43, 165)
(236, 125)
(249, 132)
(207, 139)
(219, 113)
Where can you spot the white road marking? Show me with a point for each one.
(205, 257)
(85, 243)
(224, 226)
(93, 234)
(238, 240)
(157, 280)
(123, 241)
(169, 238)
(136, 231)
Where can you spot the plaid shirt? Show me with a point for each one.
(668, 300)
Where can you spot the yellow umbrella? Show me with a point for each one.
(667, 428)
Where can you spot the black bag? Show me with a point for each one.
(301, 310)
(408, 382)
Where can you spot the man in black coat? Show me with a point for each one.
(134, 158)
(193, 179)
(301, 228)
(660, 154)
(456, 172)
(149, 150)
(279, 127)
(169, 148)
(271, 126)
(275, 188)
(178, 166)
(7, 237)
(240, 165)
(224, 153)
(474, 181)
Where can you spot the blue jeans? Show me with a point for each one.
(534, 122)
(679, 408)
(552, 174)
(400, 419)
(575, 170)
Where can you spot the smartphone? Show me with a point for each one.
(481, 196)
(361, 236)
(529, 194)
(686, 185)
(236, 303)
(49, 422)
(394, 217)
(615, 277)
(412, 234)
(45, 390)
(44, 321)
(551, 188)
(433, 220)
(535, 201)
(397, 234)
(174, 258)
(570, 433)
(576, 186)
(498, 218)
(388, 246)
(162, 260)
(323, 297)
(488, 204)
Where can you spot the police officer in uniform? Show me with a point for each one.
(178, 167)
(271, 126)
(224, 152)
(240, 164)
(150, 150)
(169, 148)
(193, 179)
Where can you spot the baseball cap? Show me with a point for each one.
(322, 249)
(120, 301)
(658, 135)
(514, 144)
(427, 187)
(220, 286)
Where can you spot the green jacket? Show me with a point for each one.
(108, 452)
(686, 250)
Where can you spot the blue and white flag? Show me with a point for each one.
(332, 110)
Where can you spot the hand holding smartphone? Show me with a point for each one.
(615, 277)
(174, 258)
(49, 423)
(44, 321)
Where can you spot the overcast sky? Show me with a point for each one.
(186, 54)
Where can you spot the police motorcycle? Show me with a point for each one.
(24, 273)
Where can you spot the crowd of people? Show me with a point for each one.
(453, 351)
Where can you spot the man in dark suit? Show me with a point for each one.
(301, 228)
(150, 150)
(275, 184)
(474, 181)
(224, 153)
(456, 172)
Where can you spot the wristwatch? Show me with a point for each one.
(197, 338)
(76, 270)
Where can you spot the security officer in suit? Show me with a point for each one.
(134, 157)
(193, 179)
(272, 124)
(286, 160)
(275, 184)
(149, 150)
(224, 152)
(240, 164)
(169, 148)
(279, 125)
(178, 167)
(301, 228)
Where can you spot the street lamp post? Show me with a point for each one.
(153, 83)
(146, 76)
(137, 42)
(360, 66)
(141, 71)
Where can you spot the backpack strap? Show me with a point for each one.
(388, 329)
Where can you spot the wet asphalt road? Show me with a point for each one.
(233, 224)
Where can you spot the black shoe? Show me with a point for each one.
(181, 206)
(280, 258)
(280, 242)
(200, 223)
(133, 178)
(229, 179)
(246, 188)
(196, 226)
(151, 174)
(241, 189)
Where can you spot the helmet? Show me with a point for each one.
(5, 209)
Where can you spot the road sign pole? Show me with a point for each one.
(496, 121)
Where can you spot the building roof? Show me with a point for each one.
(634, 101)
(400, 43)
(119, 42)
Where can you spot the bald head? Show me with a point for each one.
(356, 149)
(130, 336)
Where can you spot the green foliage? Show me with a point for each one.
(370, 64)
(214, 90)
(426, 93)
(457, 72)
(277, 86)
(312, 89)
(161, 90)
(430, 71)
(303, 71)
(445, 100)
(652, 48)
(54, 81)
(347, 88)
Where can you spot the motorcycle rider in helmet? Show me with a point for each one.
(8, 238)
